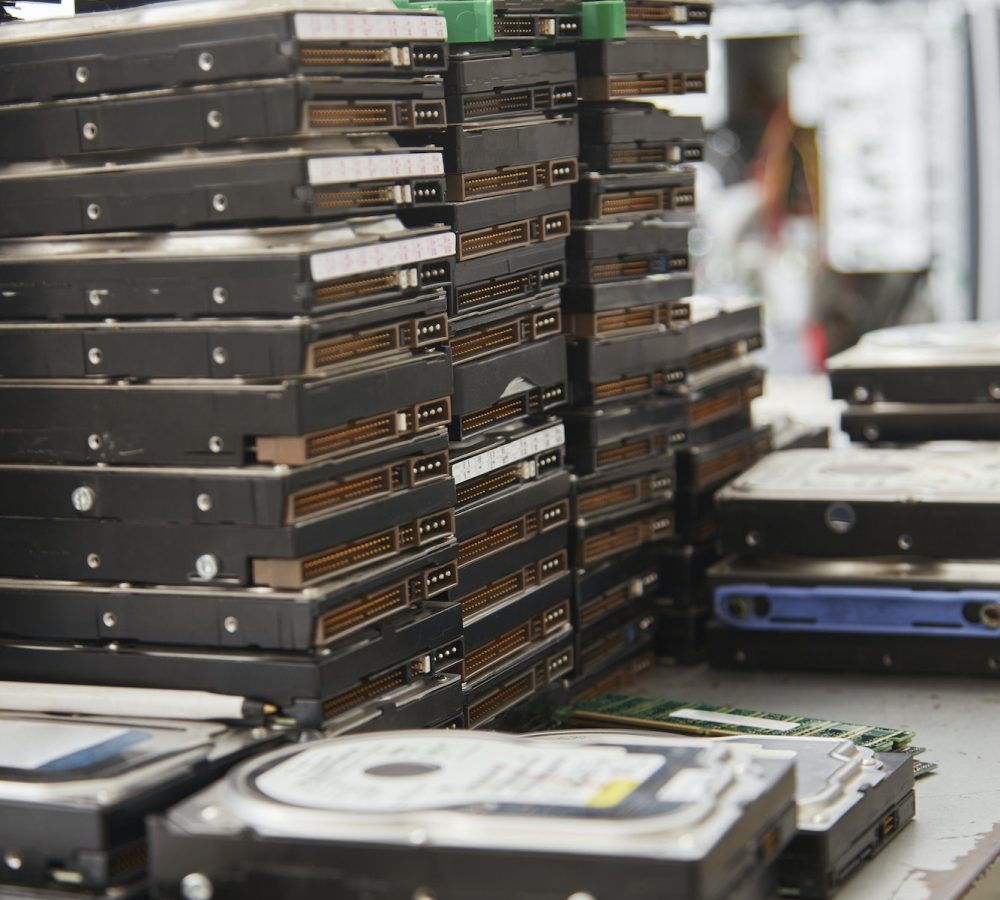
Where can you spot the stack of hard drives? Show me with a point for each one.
(918, 383)
(865, 560)
(624, 312)
(722, 441)
(225, 374)
(511, 156)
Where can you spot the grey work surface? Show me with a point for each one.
(956, 834)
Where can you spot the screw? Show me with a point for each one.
(220, 295)
(207, 566)
(109, 619)
(995, 391)
(95, 356)
(215, 444)
(204, 502)
(206, 61)
(219, 203)
(860, 394)
(870, 432)
(215, 119)
(904, 542)
(94, 561)
(93, 212)
(196, 887)
(231, 624)
(83, 499)
(82, 74)
(219, 356)
(13, 860)
(753, 539)
(95, 297)
(89, 131)
(94, 442)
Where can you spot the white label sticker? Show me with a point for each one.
(382, 255)
(373, 167)
(434, 773)
(702, 715)
(33, 745)
(689, 786)
(506, 454)
(369, 27)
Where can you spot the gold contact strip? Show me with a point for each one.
(512, 235)
(724, 403)
(515, 287)
(623, 676)
(512, 179)
(625, 537)
(299, 450)
(298, 573)
(614, 87)
(385, 602)
(509, 586)
(513, 532)
(407, 335)
(349, 490)
(506, 334)
(535, 630)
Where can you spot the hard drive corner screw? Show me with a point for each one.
(219, 356)
(89, 131)
(870, 432)
(204, 502)
(206, 61)
(231, 624)
(214, 118)
(93, 561)
(215, 444)
(94, 356)
(220, 295)
(905, 542)
(992, 664)
(83, 499)
(94, 211)
(13, 860)
(207, 566)
(82, 74)
(94, 442)
(860, 394)
(753, 539)
(196, 886)
(109, 620)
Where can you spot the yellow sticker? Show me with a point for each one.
(613, 793)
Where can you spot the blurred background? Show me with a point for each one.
(851, 180)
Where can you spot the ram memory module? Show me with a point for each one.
(706, 719)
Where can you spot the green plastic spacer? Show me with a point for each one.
(469, 21)
(602, 20)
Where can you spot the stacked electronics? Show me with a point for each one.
(865, 560)
(875, 559)
(511, 156)
(226, 382)
(916, 383)
(723, 440)
(624, 308)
